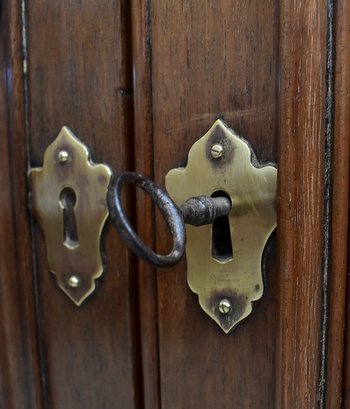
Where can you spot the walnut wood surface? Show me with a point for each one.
(79, 75)
(340, 208)
(213, 60)
(301, 174)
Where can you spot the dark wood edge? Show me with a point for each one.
(143, 163)
(25, 364)
(346, 357)
(129, 143)
(339, 217)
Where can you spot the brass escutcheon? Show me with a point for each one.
(68, 196)
(224, 259)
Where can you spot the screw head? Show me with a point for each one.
(216, 151)
(73, 281)
(63, 156)
(225, 306)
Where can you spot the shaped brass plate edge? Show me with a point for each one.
(221, 161)
(76, 262)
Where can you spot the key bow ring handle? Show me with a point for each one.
(169, 210)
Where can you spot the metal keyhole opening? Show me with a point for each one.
(68, 200)
(221, 242)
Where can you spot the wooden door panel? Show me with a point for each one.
(213, 60)
(254, 66)
(79, 75)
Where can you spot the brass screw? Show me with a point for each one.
(63, 156)
(225, 306)
(73, 281)
(216, 151)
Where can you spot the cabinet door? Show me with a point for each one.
(69, 65)
(139, 82)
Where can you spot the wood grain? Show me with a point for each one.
(20, 375)
(210, 60)
(301, 213)
(340, 207)
(80, 75)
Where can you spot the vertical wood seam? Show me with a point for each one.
(344, 382)
(141, 11)
(129, 143)
(327, 197)
(335, 335)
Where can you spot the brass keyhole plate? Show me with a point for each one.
(221, 161)
(68, 196)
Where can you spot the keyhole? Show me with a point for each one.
(221, 243)
(70, 232)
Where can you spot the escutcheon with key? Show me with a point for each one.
(229, 206)
(224, 196)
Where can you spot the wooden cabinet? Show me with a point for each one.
(139, 82)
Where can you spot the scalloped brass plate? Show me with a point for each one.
(226, 288)
(68, 196)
